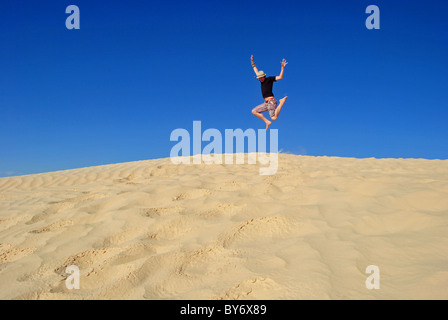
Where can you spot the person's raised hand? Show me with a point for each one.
(284, 63)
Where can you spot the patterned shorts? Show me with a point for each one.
(269, 105)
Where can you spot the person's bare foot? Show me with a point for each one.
(268, 123)
(284, 99)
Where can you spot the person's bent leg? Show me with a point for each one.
(279, 108)
(262, 117)
(272, 106)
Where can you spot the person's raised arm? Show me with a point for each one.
(280, 77)
(253, 64)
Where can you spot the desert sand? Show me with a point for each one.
(155, 230)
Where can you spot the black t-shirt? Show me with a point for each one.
(266, 87)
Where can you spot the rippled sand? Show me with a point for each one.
(154, 230)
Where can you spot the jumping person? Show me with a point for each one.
(270, 104)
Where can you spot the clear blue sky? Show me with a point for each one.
(136, 70)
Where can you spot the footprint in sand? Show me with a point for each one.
(69, 203)
(173, 229)
(257, 228)
(220, 210)
(192, 194)
(128, 179)
(271, 185)
(251, 289)
(92, 260)
(208, 260)
(124, 236)
(165, 171)
(8, 253)
(10, 222)
(140, 250)
(231, 186)
(54, 226)
(158, 212)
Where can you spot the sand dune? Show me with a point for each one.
(154, 230)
